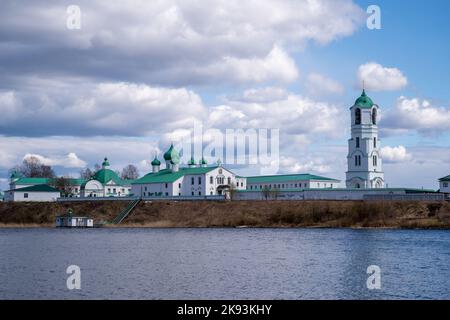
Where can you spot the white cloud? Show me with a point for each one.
(292, 114)
(318, 84)
(173, 42)
(294, 165)
(380, 78)
(395, 154)
(417, 114)
(54, 151)
(70, 160)
(104, 109)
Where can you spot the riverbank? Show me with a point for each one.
(282, 214)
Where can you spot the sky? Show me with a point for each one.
(136, 75)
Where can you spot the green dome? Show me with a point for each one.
(172, 155)
(192, 161)
(106, 175)
(364, 101)
(15, 175)
(203, 161)
(156, 162)
(105, 162)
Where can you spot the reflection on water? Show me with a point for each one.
(224, 263)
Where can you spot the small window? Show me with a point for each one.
(192, 181)
(374, 142)
(192, 192)
(179, 185)
(167, 185)
(199, 193)
(211, 193)
(357, 142)
(229, 180)
(445, 184)
(167, 194)
(211, 180)
(25, 195)
(374, 116)
(199, 180)
(358, 116)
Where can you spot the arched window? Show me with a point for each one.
(374, 142)
(358, 116)
(374, 116)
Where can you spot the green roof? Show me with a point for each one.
(37, 188)
(172, 155)
(15, 175)
(156, 162)
(106, 175)
(37, 181)
(447, 178)
(286, 177)
(192, 161)
(167, 176)
(364, 101)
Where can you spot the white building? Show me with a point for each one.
(106, 183)
(36, 193)
(17, 181)
(444, 184)
(363, 161)
(194, 180)
(291, 182)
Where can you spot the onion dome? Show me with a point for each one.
(172, 155)
(15, 175)
(192, 161)
(364, 101)
(105, 162)
(156, 162)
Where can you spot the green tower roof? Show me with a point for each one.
(364, 101)
(192, 161)
(156, 162)
(172, 155)
(105, 162)
(203, 161)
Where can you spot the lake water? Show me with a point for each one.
(224, 263)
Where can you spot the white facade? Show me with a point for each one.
(31, 196)
(74, 222)
(96, 189)
(210, 181)
(364, 162)
(301, 182)
(444, 184)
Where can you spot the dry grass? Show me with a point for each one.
(355, 214)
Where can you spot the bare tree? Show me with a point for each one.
(232, 191)
(266, 192)
(97, 167)
(86, 173)
(32, 167)
(63, 184)
(130, 172)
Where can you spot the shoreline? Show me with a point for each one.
(238, 214)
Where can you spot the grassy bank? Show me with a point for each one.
(356, 214)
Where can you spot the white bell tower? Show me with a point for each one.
(364, 161)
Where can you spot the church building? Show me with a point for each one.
(364, 162)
